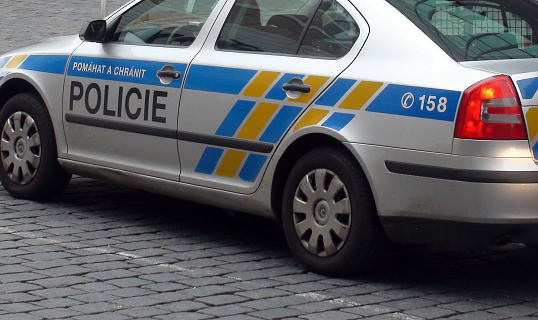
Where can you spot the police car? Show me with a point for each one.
(351, 122)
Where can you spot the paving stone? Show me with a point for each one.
(303, 278)
(20, 297)
(93, 297)
(96, 307)
(446, 297)
(431, 312)
(112, 274)
(95, 287)
(6, 270)
(306, 287)
(239, 317)
(171, 296)
(57, 303)
(61, 282)
(515, 310)
(318, 306)
(333, 315)
(186, 316)
(56, 292)
(55, 313)
(277, 313)
(255, 284)
(20, 316)
(142, 312)
(265, 273)
(164, 277)
(22, 277)
(6, 288)
(210, 290)
(106, 315)
(263, 293)
(164, 287)
(49, 264)
(366, 299)
(498, 301)
(206, 272)
(399, 293)
(183, 306)
(136, 302)
(372, 310)
(411, 303)
(108, 265)
(270, 303)
(465, 306)
(219, 300)
(478, 315)
(74, 270)
(129, 282)
(226, 310)
(19, 307)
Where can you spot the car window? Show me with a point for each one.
(331, 33)
(477, 30)
(163, 22)
(306, 27)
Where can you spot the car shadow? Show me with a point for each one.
(508, 271)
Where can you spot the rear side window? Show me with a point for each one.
(477, 30)
(316, 28)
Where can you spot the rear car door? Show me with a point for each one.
(121, 97)
(264, 63)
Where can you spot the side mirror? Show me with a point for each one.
(94, 31)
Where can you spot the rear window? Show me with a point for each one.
(477, 30)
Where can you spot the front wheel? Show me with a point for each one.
(329, 215)
(30, 168)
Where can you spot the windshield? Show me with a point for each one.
(477, 30)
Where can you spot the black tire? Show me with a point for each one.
(352, 252)
(29, 168)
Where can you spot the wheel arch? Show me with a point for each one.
(15, 86)
(17, 83)
(293, 152)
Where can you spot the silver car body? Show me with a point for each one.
(180, 139)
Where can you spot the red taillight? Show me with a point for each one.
(490, 110)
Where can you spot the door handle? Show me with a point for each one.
(295, 88)
(304, 88)
(168, 74)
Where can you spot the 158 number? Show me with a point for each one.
(431, 103)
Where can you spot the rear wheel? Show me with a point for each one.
(329, 216)
(30, 168)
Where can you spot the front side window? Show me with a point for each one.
(163, 22)
(477, 29)
(305, 27)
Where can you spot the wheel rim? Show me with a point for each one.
(322, 212)
(20, 148)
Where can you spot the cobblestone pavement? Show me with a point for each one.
(103, 252)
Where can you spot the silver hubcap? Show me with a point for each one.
(322, 212)
(20, 148)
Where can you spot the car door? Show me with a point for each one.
(264, 63)
(121, 97)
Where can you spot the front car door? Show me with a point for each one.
(264, 63)
(121, 97)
